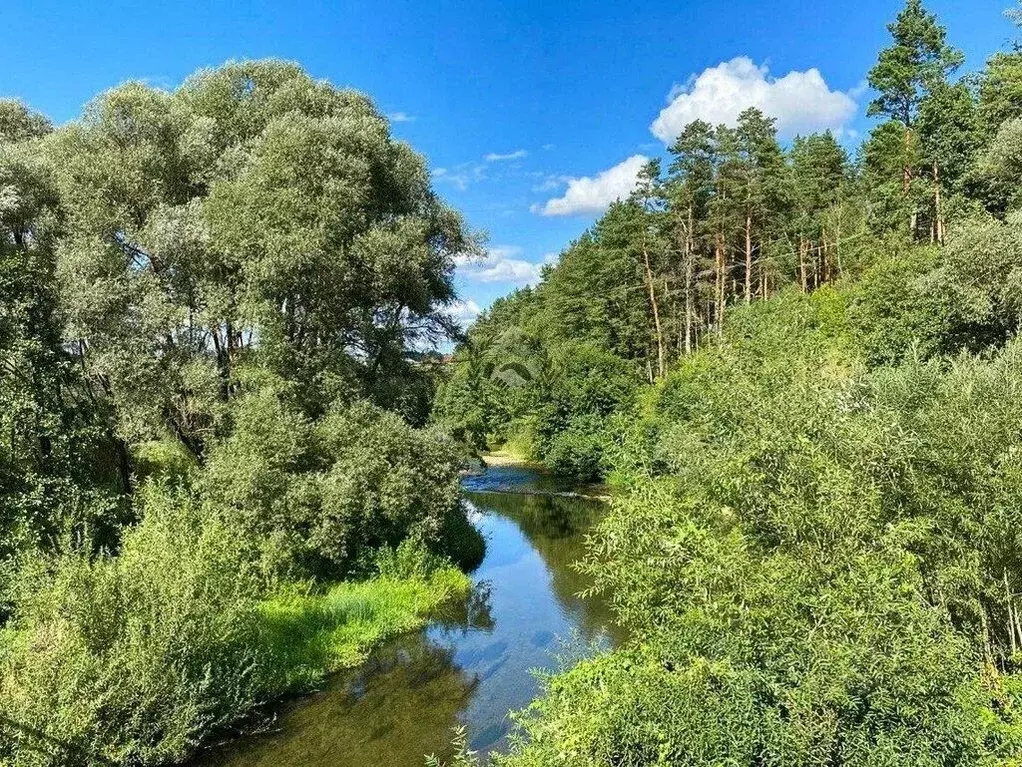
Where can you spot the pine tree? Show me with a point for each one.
(907, 73)
(762, 171)
(689, 188)
(726, 216)
(650, 205)
(949, 136)
(819, 169)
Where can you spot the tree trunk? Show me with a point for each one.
(938, 205)
(802, 248)
(721, 282)
(688, 283)
(825, 257)
(123, 464)
(688, 305)
(1011, 613)
(907, 182)
(656, 313)
(748, 257)
(837, 244)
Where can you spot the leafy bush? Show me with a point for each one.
(386, 481)
(818, 561)
(134, 658)
(849, 670)
(579, 450)
(930, 302)
(320, 497)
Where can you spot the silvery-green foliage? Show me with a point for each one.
(253, 213)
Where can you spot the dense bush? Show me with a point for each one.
(320, 497)
(134, 658)
(138, 658)
(817, 559)
(766, 663)
(930, 301)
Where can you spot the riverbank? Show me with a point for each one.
(311, 636)
(500, 458)
(232, 661)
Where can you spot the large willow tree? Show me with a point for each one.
(253, 219)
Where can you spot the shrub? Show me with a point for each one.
(134, 658)
(385, 481)
(319, 497)
(579, 450)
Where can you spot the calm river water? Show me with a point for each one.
(469, 667)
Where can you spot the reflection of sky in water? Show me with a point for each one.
(470, 667)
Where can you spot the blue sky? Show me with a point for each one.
(532, 115)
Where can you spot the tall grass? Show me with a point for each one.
(308, 635)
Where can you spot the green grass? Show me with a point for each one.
(520, 444)
(311, 635)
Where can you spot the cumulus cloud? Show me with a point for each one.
(401, 117)
(500, 263)
(518, 154)
(464, 311)
(802, 102)
(594, 194)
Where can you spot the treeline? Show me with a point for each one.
(815, 546)
(210, 301)
(732, 217)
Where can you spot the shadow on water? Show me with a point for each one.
(473, 664)
(410, 686)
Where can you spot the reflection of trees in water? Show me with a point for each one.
(471, 613)
(398, 706)
(555, 527)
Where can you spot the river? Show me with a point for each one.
(470, 666)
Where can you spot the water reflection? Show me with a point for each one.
(471, 665)
(410, 686)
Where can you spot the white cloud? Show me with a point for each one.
(801, 102)
(550, 183)
(595, 194)
(464, 311)
(499, 264)
(518, 154)
(460, 176)
(859, 90)
(402, 117)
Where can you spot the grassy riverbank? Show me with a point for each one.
(173, 645)
(507, 458)
(312, 635)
